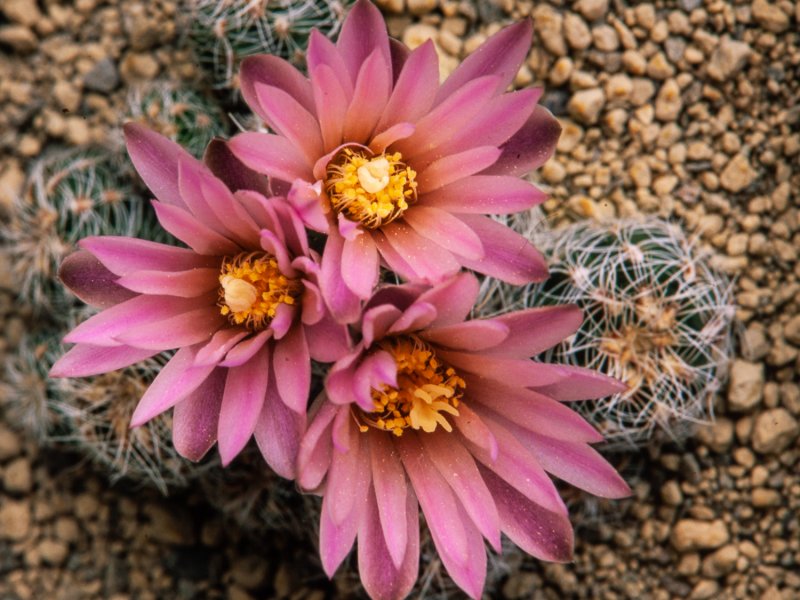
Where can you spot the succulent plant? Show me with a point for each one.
(69, 195)
(181, 114)
(223, 32)
(655, 316)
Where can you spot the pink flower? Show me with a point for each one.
(395, 167)
(241, 304)
(452, 416)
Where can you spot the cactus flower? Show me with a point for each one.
(431, 411)
(241, 304)
(395, 168)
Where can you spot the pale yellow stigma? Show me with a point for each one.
(427, 389)
(251, 289)
(372, 191)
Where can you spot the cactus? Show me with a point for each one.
(223, 32)
(69, 195)
(180, 114)
(655, 316)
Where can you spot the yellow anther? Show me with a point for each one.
(374, 175)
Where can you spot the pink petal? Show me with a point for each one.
(581, 384)
(363, 32)
(575, 463)
(233, 172)
(190, 183)
(360, 265)
(457, 467)
(382, 576)
(538, 531)
(348, 478)
(292, 366)
(469, 576)
(278, 432)
(186, 284)
(524, 373)
(156, 160)
(453, 299)
(486, 194)
(193, 233)
(175, 381)
(189, 328)
(369, 98)
(392, 258)
(306, 200)
(339, 382)
(470, 336)
(416, 317)
(447, 120)
(194, 419)
(430, 262)
(327, 340)
(508, 255)
(331, 102)
(84, 360)
(377, 370)
(216, 349)
(389, 481)
(288, 118)
(501, 55)
(89, 280)
(242, 401)
(415, 89)
(336, 539)
(399, 131)
(377, 321)
(534, 330)
(471, 426)
(272, 155)
(456, 166)
(400, 53)
(316, 449)
(446, 230)
(271, 70)
(124, 255)
(343, 303)
(321, 51)
(530, 147)
(246, 350)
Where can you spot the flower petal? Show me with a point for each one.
(193, 233)
(247, 349)
(377, 321)
(343, 303)
(272, 155)
(186, 284)
(331, 102)
(391, 492)
(186, 329)
(444, 229)
(508, 255)
(581, 384)
(534, 330)
(335, 539)
(453, 299)
(288, 118)
(87, 278)
(316, 447)
(522, 372)
(530, 147)
(416, 317)
(292, 366)
(327, 340)
(363, 32)
(486, 194)
(271, 70)
(216, 349)
(470, 335)
(278, 432)
(84, 360)
(455, 166)
(399, 131)
(360, 265)
(471, 426)
(415, 89)
(431, 263)
(321, 51)
(370, 95)
(194, 419)
(124, 255)
(231, 171)
(349, 477)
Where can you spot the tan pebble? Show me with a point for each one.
(705, 589)
(53, 552)
(77, 131)
(721, 562)
(67, 96)
(577, 32)
(691, 534)
(618, 87)
(728, 59)
(664, 184)
(738, 174)
(421, 7)
(643, 90)
(66, 530)
(774, 430)
(668, 101)
(718, 436)
(29, 145)
(605, 38)
(24, 12)
(548, 22)
(553, 171)
(658, 67)
(770, 16)
(634, 62)
(764, 497)
(416, 35)
(671, 493)
(138, 66)
(585, 105)
(19, 37)
(450, 43)
(392, 6)
(17, 477)
(640, 174)
(592, 9)
(15, 520)
(746, 386)
(689, 564)
(645, 15)
(571, 136)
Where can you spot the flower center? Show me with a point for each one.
(372, 191)
(251, 289)
(426, 389)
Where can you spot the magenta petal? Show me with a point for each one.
(522, 372)
(392, 258)
(344, 304)
(288, 118)
(186, 284)
(470, 335)
(89, 280)
(272, 155)
(190, 183)
(363, 32)
(457, 467)
(247, 349)
(124, 255)
(175, 381)
(84, 360)
(323, 52)
(349, 477)
(486, 194)
(581, 384)
(416, 317)
(156, 160)
(278, 432)
(453, 299)
(455, 166)
(369, 98)
(377, 321)
(327, 340)
(446, 230)
(415, 89)
(386, 138)
(193, 233)
(534, 330)
(271, 70)
(382, 576)
(400, 54)
(292, 366)
(335, 539)
(538, 531)
(575, 463)
(306, 201)
(431, 262)
(360, 265)
(377, 370)
(339, 382)
(194, 419)
(233, 172)
(389, 481)
(216, 349)
(331, 102)
(316, 448)
(186, 329)
(242, 401)
(508, 255)
(530, 147)
(501, 55)
(471, 426)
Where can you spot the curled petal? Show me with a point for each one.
(194, 419)
(89, 280)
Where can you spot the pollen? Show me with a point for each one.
(427, 390)
(370, 190)
(251, 289)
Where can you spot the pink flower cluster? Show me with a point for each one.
(422, 407)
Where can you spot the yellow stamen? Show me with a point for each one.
(251, 289)
(372, 191)
(426, 388)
